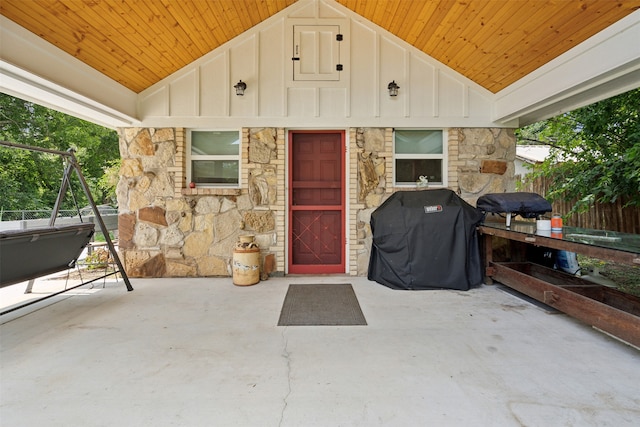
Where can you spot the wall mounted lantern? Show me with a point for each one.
(240, 88)
(393, 88)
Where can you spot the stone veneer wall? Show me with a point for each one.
(479, 161)
(169, 230)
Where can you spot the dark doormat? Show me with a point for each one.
(321, 305)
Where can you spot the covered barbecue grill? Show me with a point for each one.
(527, 205)
(425, 240)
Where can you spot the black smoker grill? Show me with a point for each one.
(527, 205)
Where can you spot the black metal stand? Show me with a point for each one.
(72, 165)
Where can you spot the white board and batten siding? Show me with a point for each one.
(290, 65)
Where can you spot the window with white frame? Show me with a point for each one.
(419, 153)
(214, 158)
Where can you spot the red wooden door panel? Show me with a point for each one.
(316, 196)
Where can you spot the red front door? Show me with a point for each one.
(316, 202)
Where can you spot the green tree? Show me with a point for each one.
(595, 154)
(31, 180)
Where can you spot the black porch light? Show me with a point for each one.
(240, 88)
(393, 88)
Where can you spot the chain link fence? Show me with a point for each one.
(26, 219)
(25, 215)
(35, 214)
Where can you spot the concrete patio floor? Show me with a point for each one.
(203, 352)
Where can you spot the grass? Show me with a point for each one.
(99, 236)
(626, 277)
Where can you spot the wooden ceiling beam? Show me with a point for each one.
(189, 17)
(86, 47)
(117, 35)
(492, 42)
(150, 24)
(572, 31)
(465, 31)
(425, 41)
(388, 11)
(417, 27)
(398, 24)
(499, 43)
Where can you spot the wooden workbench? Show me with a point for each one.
(605, 308)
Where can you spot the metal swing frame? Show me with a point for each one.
(71, 166)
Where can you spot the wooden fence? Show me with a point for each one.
(606, 216)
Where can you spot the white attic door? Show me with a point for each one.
(316, 52)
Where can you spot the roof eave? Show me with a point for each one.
(603, 66)
(35, 70)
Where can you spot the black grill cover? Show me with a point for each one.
(425, 240)
(527, 205)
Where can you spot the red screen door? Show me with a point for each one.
(316, 202)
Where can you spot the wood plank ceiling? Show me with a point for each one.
(492, 42)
